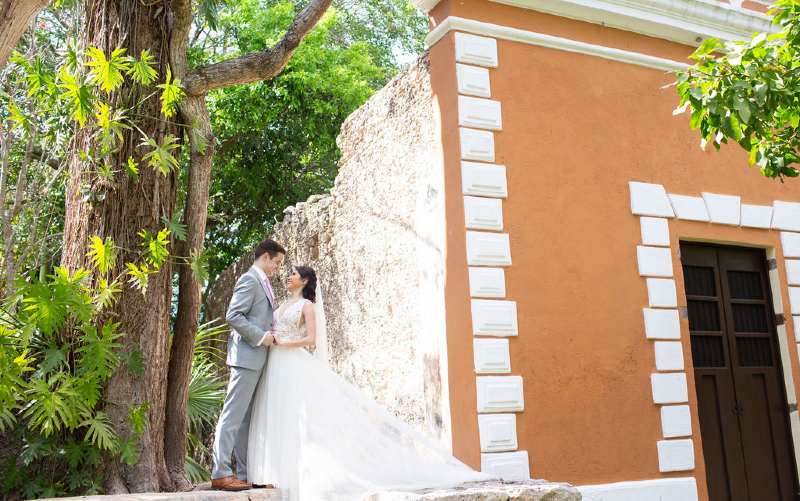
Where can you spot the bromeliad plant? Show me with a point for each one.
(56, 353)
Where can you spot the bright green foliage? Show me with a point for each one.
(171, 94)
(749, 92)
(160, 156)
(108, 73)
(78, 94)
(155, 246)
(100, 433)
(102, 254)
(142, 70)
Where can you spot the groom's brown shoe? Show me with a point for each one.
(230, 483)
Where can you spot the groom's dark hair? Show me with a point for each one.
(269, 246)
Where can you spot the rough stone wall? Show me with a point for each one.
(377, 243)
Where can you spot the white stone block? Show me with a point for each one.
(483, 213)
(479, 112)
(790, 244)
(649, 200)
(509, 466)
(488, 249)
(487, 282)
(473, 80)
(723, 209)
(669, 355)
(472, 49)
(689, 208)
(792, 271)
(484, 180)
(661, 293)
(676, 421)
(494, 318)
(498, 432)
(654, 261)
(655, 231)
(662, 489)
(500, 394)
(796, 325)
(669, 388)
(794, 300)
(675, 455)
(661, 324)
(491, 356)
(756, 216)
(477, 144)
(786, 215)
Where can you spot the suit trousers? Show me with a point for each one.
(233, 426)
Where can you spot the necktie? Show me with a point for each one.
(270, 294)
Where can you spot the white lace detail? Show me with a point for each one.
(289, 323)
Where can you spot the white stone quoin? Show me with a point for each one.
(654, 261)
(675, 455)
(484, 180)
(794, 300)
(488, 249)
(790, 244)
(498, 432)
(494, 317)
(756, 216)
(723, 209)
(655, 231)
(662, 489)
(491, 356)
(669, 355)
(487, 282)
(508, 465)
(479, 113)
(477, 144)
(473, 49)
(676, 421)
(669, 388)
(649, 200)
(661, 324)
(473, 80)
(661, 293)
(689, 208)
(500, 394)
(793, 271)
(483, 213)
(786, 216)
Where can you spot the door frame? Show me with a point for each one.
(716, 220)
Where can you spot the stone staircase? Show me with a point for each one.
(531, 490)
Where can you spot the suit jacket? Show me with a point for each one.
(249, 316)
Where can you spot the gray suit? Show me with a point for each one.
(249, 316)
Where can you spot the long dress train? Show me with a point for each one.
(317, 437)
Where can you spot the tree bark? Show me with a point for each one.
(195, 214)
(127, 207)
(10, 214)
(15, 15)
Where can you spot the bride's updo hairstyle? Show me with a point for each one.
(310, 289)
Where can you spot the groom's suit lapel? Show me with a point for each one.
(263, 288)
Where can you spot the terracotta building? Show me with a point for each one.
(618, 302)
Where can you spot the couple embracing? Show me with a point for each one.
(293, 423)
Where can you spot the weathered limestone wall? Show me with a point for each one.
(377, 243)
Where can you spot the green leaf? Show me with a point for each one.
(139, 276)
(134, 361)
(171, 94)
(138, 417)
(107, 73)
(102, 253)
(156, 247)
(175, 227)
(142, 70)
(198, 262)
(78, 94)
(742, 106)
(132, 168)
(160, 156)
(100, 433)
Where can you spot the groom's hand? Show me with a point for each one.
(268, 339)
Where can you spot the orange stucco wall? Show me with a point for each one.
(576, 130)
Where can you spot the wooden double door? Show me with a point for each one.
(742, 406)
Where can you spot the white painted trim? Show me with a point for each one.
(662, 489)
(682, 21)
(454, 23)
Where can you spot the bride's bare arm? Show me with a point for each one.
(311, 329)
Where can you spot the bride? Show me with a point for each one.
(317, 437)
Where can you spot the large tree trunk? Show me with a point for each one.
(128, 207)
(195, 113)
(15, 15)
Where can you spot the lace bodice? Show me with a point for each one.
(289, 323)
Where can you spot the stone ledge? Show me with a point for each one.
(202, 492)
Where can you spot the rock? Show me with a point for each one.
(530, 490)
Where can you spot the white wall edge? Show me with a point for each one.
(671, 489)
(454, 23)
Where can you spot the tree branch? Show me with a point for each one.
(259, 65)
(15, 15)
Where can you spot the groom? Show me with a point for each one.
(250, 317)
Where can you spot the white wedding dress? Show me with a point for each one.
(317, 437)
